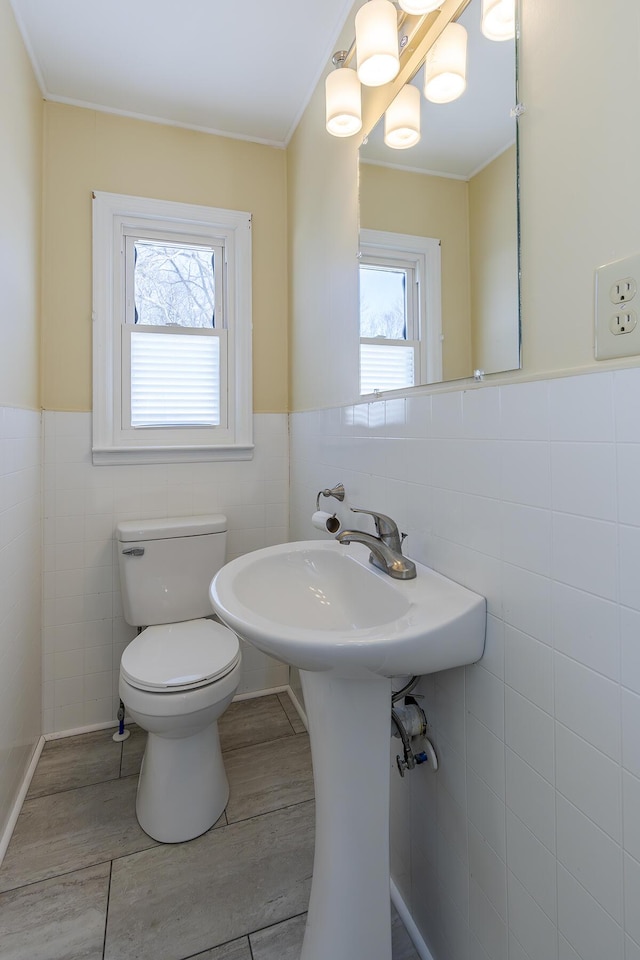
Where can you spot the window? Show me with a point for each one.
(172, 331)
(400, 320)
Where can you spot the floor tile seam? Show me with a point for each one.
(287, 716)
(122, 755)
(218, 946)
(282, 706)
(264, 743)
(57, 876)
(257, 816)
(81, 786)
(86, 786)
(276, 923)
(246, 936)
(106, 911)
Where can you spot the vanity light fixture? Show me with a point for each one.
(377, 55)
(417, 8)
(445, 67)
(499, 19)
(402, 119)
(343, 99)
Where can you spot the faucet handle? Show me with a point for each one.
(385, 526)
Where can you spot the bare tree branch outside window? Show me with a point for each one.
(174, 285)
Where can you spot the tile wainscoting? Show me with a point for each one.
(20, 581)
(526, 843)
(84, 632)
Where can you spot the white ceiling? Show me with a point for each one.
(241, 68)
(247, 69)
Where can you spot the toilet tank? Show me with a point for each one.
(166, 567)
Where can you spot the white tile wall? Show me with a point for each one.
(84, 631)
(526, 844)
(20, 631)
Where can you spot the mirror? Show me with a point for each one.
(445, 212)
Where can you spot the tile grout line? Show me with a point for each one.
(81, 786)
(106, 912)
(285, 712)
(264, 743)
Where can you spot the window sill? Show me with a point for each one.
(195, 454)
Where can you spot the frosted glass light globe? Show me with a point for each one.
(499, 19)
(420, 7)
(402, 119)
(445, 67)
(343, 103)
(377, 56)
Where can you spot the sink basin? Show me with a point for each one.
(322, 606)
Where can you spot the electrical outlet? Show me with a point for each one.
(623, 290)
(624, 322)
(617, 333)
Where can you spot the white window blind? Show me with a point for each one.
(386, 366)
(175, 379)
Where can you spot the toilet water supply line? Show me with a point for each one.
(121, 733)
(410, 722)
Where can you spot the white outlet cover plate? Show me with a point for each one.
(610, 345)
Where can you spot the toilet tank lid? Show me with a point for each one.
(168, 527)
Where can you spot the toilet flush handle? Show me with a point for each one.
(133, 552)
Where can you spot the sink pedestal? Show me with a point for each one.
(323, 608)
(349, 910)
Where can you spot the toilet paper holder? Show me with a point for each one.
(336, 492)
(327, 522)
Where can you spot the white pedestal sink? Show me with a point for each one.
(349, 628)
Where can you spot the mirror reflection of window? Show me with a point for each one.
(387, 322)
(400, 315)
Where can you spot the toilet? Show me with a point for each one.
(180, 673)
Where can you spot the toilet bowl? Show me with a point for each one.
(177, 677)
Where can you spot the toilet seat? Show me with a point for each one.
(174, 657)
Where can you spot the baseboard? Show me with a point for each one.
(7, 833)
(77, 731)
(416, 937)
(253, 694)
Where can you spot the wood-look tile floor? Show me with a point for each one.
(82, 881)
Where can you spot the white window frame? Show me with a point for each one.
(116, 218)
(422, 257)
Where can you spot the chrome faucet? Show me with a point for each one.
(386, 547)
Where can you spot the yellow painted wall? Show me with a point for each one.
(580, 206)
(323, 248)
(579, 168)
(493, 262)
(20, 218)
(427, 206)
(87, 150)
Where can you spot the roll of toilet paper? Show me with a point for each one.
(326, 521)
